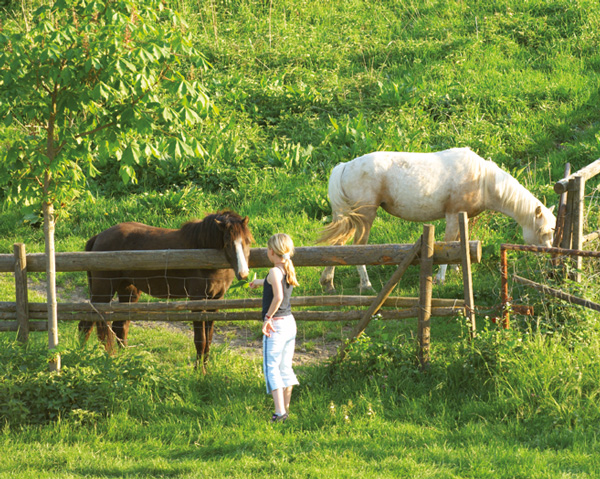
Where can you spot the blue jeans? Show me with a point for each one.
(278, 353)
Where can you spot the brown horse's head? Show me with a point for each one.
(236, 241)
(224, 230)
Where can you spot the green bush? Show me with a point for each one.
(90, 385)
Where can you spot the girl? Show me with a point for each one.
(279, 326)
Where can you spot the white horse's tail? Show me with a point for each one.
(340, 230)
(345, 218)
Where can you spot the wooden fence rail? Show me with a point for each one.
(183, 316)
(245, 303)
(385, 254)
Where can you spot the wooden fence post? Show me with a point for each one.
(568, 224)
(463, 223)
(426, 288)
(21, 292)
(561, 213)
(578, 212)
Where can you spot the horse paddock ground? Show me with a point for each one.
(244, 339)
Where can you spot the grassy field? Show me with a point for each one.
(297, 87)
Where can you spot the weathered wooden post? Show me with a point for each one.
(578, 211)
(567, 234)
(425, 294)
(21, 292)
(504, 287)
(574, 186)
(561, 213)
(463, 223)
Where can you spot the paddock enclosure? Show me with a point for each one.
(24, 316)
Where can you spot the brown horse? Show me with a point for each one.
(224, 230)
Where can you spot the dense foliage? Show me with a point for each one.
(85, 84)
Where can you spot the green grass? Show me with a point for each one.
(146, 413)
(299, 87)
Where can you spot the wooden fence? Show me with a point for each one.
(570, 217)
(24, 316)
(569, 239)
(505, 298)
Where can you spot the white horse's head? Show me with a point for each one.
(540, 231)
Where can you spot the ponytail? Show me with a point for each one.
(290, 272)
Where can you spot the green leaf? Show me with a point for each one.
(244, 283)
(167, 114)
(131, 155)
(128, 115)
(100, 92)
(127, 174)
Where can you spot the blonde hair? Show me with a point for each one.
(283, 246)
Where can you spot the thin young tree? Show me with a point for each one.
(89, 80)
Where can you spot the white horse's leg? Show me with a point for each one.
(440, 277)
(361, 236)
(450, 235)
(327, 279)
(365, 283)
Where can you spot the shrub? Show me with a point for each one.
(90, 384)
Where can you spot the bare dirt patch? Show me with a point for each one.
(247, 340)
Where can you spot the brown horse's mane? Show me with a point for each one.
(208, 232)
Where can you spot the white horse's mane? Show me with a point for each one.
(514, 199)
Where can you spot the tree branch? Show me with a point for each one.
(95, 130)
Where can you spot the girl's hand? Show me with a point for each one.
(268, 327)
(255, 283)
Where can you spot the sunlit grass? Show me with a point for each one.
(299, 87)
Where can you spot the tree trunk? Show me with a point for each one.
(54, 362)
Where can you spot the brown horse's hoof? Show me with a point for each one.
(197, 363)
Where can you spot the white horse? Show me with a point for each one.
(426, 187)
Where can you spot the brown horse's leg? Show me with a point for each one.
(85, 329)
(199, 340)
(128, 294)
(121, 329)
(203, 332)
(209, 335)
(106, 335)
(101, 291)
